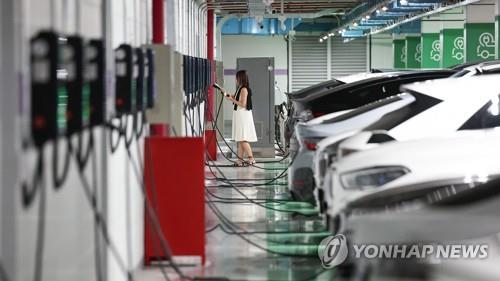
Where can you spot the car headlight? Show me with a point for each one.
(372, 178)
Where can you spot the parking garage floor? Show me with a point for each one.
(266, 239)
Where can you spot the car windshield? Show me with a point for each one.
(486, 117)
(363, 109)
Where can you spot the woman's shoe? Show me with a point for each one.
(238, 163)
(251, 161)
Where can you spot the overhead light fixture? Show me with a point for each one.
(403, 2)
(320, 40)
(325, 37)
(340, 31)
(367, 17)
(377, 11)
(385, 8)
(355, 24)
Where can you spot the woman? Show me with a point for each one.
(243, 126)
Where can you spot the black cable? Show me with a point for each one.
(223, 219)
(3, 273)
(29, 192)
(255, 202)
(60, 179)
(83, 159)
(114, 145)
(212, 228)
(142, 124)
(97, 241)
(153, 216)
(103, 226)
(129, 140)
(40, 232)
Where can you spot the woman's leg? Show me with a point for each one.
(241, 150)
(248, 150)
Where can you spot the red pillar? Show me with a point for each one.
(158, 21)
(159, 38)
(211, 135)
(210, 56)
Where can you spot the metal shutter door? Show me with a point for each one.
(347, 58)
(309, 64)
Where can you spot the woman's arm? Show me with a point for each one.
(243, 98)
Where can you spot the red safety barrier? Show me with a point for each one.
(211, 144)
(174, 178)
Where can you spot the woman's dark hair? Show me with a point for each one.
(242, 78)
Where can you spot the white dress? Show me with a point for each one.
(243, 126)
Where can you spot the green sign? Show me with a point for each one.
(431, 50)
(399, 51)
(452, 47)
(413, 52)
(497, 32)
(479, 41)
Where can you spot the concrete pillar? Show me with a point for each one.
(479, 31)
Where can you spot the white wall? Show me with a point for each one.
(381, 53)
(69, 242)
(248, 46)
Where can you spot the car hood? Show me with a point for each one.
(471, 155)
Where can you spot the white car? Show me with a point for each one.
(443, 216)
(400, 169)
(440, 107)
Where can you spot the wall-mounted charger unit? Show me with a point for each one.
(150, 77)
(71, 66)
(45, 98)
(139, 70)
(94, 76)
(126, 71)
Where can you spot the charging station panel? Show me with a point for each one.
(140, 84)
(167, 71)
(94, 75)
(126, 73)
(77, 91)
(150, 77)
(45, 95)
(178, 95)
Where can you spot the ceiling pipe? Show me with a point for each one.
(223, 21)
(436, 11)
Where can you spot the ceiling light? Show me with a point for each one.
(367, 17)
(385, 8)
(403, 2)
(378, 11)
(325, 37)
(320, 40)
(355, 24)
